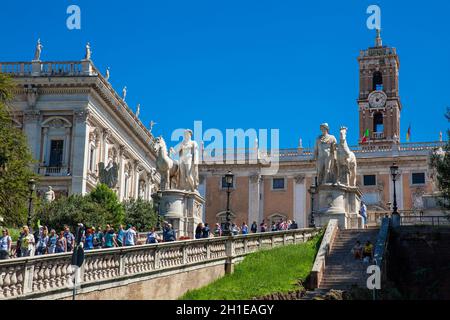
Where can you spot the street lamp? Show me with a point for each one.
(31, 188)
(312, 191)
(229, 177)
(395, 214)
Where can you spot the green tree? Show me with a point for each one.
(71, 211)
(15, 161)
(442, 165)
(108, 204)
(140, 213)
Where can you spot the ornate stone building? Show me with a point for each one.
(285, 196)
(80, 131)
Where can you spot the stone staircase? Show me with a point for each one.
(342, 271)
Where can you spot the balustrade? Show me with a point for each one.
(44, 275)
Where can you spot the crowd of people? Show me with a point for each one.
(204, 231)
(44, 242)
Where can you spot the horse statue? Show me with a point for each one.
(167, 167)
(346, 161)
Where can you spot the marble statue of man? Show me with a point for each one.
(325, 156)
(124, 93)
(88, 52)
(107, 74)
(49, 195)
(37, 53)
(138, 110)
(188, 163)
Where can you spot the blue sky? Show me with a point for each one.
(287, 65)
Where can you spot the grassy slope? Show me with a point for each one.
(262, 273)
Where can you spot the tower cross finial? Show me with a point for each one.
(378, 40)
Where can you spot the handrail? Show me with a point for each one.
(421, 220)
(50, 275)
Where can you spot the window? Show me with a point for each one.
(91, 159)
(418, 178)
(370, 180)
(377, 80)
(378, 126)
(56, 153)
(278, 183)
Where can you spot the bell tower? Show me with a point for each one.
(379, 101)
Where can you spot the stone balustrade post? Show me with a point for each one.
(184, 249)
(157, 258)
(272, 241)
(245, 245)
(208, 250)
(27, 278)
(122, 264)
(229, 251)
(36, 68)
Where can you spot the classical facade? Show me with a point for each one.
(80, 131)
(257, 197)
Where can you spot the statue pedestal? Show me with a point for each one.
(182, 209)
(335, 201)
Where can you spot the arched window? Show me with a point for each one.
(377, 80)
(276, 217)
(378, 126)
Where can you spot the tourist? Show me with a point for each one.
(244, 228)
(110, 238)
(205, 231)
(263, 226)
(98, 238)
(168, 233)
(217, 230)
(363, 213)
(27, 245)
(89, 240)
(254, 227)
(70, 238)
(18, 244)
(51, 244)
(120, 234)
(275, 227)
(357, 250)
(61, 243)
(234, 229)
(42, 244)
(5, 245)
(368, 252)
(152, 236)
(199, 231)
(293, 225)
(130, 236)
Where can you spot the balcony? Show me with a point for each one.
(54, 171)
(378, 135)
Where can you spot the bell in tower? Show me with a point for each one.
(379, 100)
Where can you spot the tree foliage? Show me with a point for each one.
(98, 208)
(140, 213)
(15, 162)
(442, 165)
(109, 203)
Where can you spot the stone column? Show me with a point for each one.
(254, 199)
(44, 146)
(80, 154)
(106, 133)
(202, 191)
(67, 140)
(136, 179)
(31, 128)
(300, 201)
(121, 173)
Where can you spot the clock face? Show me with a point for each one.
(377, 99)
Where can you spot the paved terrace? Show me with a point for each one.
(154, 271)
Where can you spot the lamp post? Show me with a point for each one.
(229, 177)
(31, 188)
(312, 191)
(395, 215)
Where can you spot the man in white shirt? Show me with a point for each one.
(130, 236)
